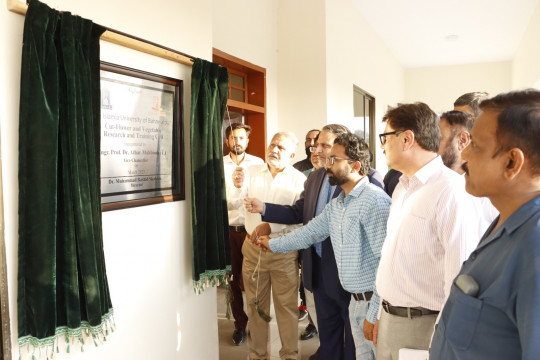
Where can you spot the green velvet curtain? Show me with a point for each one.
(62, 284)
(211, 249)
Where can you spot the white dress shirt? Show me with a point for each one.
(485, 214)
(235, 205)
(431, 230)
(284, 189)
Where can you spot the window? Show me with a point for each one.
(364, 116)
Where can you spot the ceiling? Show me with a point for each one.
(416, 31)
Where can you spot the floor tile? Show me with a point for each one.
(229, 351)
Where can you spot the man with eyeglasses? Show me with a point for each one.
(430, 231)
(306, 164)
(319, 268)
(356, 224)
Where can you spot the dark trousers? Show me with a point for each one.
(335, 335)
(236, 240)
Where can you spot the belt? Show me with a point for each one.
(237, 228)
(409, 312)
(366, 296)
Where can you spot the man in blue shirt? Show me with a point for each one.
(493, 311)
(356, 224)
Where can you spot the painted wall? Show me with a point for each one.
(526, 64)
(314, 52)
(355, 55)
(440, 86)
(302, 67)
(247, 30)
(147, 249)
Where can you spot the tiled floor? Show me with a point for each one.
(229, 351)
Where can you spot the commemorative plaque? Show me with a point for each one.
(141, 138)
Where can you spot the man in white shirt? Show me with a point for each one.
(428, 234)
(237, 139)
(280, 183)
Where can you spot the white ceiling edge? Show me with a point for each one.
(416, 30)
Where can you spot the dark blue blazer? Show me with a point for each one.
(302, 212)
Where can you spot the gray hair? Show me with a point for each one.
(289, 135)
(336, 129)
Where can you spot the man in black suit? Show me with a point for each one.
(319, 265)
(306, 164)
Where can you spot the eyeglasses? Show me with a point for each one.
(383, 136)
(332, 159)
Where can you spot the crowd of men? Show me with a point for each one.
(441, 261)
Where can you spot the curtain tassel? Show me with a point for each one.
(228, 301)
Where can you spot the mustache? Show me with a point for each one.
(465, 168)
(328, 171)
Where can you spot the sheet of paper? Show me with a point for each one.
(413, 354)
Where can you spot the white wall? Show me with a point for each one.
(147, 249)
(526, 64)
(356, 55)
(440, 86)
(247, 30)
(302, 68)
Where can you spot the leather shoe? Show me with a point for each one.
(310, 332)
(239, 336)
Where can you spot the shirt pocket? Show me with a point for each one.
(417, 229)
(462, 318)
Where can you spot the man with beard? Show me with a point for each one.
(356, 224)
(455, 137)
(319, 269)
(237, 139)
(306, 164)
(278, 182)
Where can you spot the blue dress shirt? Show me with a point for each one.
(356, 225)
(503, 320)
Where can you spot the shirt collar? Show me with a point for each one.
(286, 170)
(230, 160)
(424, 173)
(358, 188)
(429, 169)
(515, 221)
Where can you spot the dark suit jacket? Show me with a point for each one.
(303, 165)
(302, 212)
(376, 178)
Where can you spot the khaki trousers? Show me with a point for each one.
(397, 332)
(278, 272)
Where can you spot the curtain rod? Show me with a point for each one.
(123, 39)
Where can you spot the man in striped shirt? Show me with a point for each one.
(430, 230)
(355, 222)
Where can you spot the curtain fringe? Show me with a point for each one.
(67, 339)
(212, 278)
